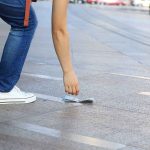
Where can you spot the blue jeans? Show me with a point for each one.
(18, 41)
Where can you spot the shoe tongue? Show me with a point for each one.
(17, 89)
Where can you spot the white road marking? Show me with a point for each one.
(145, 93)
(55, 99)
(50, 98)
(42, 76)
(132, 76)
(91, 141)
(60, 79)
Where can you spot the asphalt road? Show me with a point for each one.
(111, 54)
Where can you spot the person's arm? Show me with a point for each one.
(61, 42)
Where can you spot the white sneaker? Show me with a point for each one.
(16, 96)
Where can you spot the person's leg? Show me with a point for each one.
(18, 42)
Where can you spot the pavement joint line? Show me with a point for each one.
(42, 76)
(132, 76)
(91, 141)
(54, 99)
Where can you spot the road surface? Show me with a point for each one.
(111, 54)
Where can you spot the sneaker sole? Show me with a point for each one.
(18, 101)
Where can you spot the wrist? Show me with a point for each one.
(68, 71)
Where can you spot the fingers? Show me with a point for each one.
(72, 89)
(74, 92)
(66, 89)
(71, 83)
(77, 89)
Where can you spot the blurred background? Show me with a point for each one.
(140, 3)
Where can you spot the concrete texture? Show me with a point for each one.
(110, 53)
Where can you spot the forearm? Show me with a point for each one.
(61, 42)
